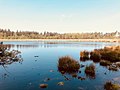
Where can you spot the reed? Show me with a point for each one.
(111, 86)
(68, 64)
(90, 70)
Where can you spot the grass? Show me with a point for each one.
(105, 63)
(111, 54)
(68, 64)
(95, 56)
(84, 55)
(90, 70)
(110, 86)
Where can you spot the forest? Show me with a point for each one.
(8, 34)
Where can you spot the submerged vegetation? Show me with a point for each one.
(68, 65)
(7, 56)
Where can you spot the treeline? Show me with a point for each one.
(8, 34)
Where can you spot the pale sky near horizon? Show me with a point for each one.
(60, 15)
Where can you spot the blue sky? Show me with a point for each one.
(60, 15)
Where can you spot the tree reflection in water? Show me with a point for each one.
(8, 57)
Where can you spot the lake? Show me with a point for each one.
(40, 60)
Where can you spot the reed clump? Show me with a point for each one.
(111, 54)
(105, 63)
(68, 64)
(111, 86)
(90, 70)
(84, 55)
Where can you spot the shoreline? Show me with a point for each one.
(77, 40)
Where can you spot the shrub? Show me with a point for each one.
(68, 64)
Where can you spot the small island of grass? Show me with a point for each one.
(68, 64)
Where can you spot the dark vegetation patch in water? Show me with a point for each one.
(7, 56)
(111, 86)
(68, 65)
(108, 56)
(90, 70)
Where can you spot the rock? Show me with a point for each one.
(116, 79)
(51, 70)
(30, 83)
(81, 78)
(63, 72)
(105, 73)
(43, 85)
(46, 79)
(79, 71)
(74, 75)
(66, 78)
(113, 68)
(80, 88)
(36, 56)
(81, 66)
(1, 42)
(61, 83)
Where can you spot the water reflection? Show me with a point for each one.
(26, 46)
(49, 44)
(18, 46)
(8, 46)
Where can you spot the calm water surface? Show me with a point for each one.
(33, 71)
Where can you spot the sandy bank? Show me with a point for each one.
(80, 40)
